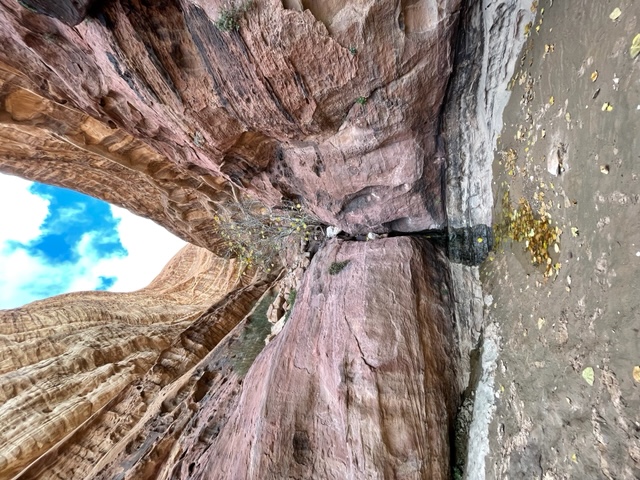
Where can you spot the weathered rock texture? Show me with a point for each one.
(70, 12)
(359, 384)
(270, 107)
(491, 37)
(65, 359)
(150, 106)
(46, 141)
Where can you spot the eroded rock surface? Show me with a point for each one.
(359, 384)
(64, 359)
(337, 103)
(51, 143)
(149, 105)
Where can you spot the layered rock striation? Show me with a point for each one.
(65, 358)
(162, 108)
(359, 384)
(337, 104)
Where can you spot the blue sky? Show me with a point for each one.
(54, 240)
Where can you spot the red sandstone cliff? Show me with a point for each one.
(360, 384)
(271, 107)
(66, 358)
(151, 106)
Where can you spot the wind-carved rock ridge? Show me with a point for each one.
(65, 357)
(355, 386)
(150, 106)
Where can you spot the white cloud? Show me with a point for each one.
(22, 212)
(19, 274)
(149, 248)
(25, 277)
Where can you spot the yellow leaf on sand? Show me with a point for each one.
(615, 14)
(574, 231)
(574, 458)
(636, 373)
(635, 46)
(594, 76)
(588, 375)
(607, 107)
(551, 100)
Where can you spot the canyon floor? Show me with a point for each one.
(567, 379)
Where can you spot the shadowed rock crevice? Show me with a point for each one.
(71, 12)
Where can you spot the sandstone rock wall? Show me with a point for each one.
(359, 384)
(151, 106)
(51, 143)
(337, 104)
(63, 359)
(490, 40)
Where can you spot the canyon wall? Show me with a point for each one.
(359, 384)
(336, 104)
(64, 359)
(153, 107)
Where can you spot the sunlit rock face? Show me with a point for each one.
(150, 106)
(65, 359)
(359, 384)
(334, 102)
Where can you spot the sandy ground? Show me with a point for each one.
(553, 420)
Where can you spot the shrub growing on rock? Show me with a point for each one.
(336, 267)
(256, 234)
(230, 15)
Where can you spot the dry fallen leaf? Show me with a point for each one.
(574, 231)
(551, 100)
(574, 458)
(607, 107)
(567, 117)
(636, 373)
(604, 169)
(594, 76)
(588, 375)
(635, 46)
(615, 14)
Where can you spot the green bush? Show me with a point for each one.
(291, 299)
